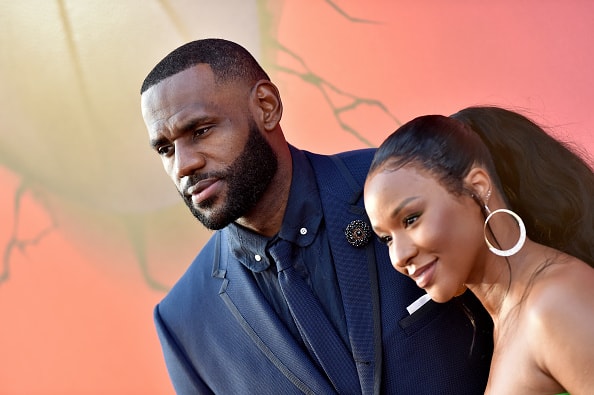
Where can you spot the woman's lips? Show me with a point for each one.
(422, 275)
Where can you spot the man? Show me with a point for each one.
(291, 294)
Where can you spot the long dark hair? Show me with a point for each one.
(542, 179)
(545, 181)
(443, 146)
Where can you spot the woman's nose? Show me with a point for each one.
(401, 253)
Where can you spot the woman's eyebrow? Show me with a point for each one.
(402, 204)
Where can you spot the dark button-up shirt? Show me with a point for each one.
(303, 225)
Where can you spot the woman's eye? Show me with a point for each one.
(411, 219)
(385, 239)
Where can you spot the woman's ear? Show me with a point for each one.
(478, 181)
(268, 105)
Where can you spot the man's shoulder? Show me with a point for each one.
(201, 269)
(342, 167)
(352, 155)
(195, 295)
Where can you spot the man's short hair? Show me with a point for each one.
(228, 61)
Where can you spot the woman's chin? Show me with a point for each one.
(445, 295)
(440, 297)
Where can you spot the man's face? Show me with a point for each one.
(209, 144)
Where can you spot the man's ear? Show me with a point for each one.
(478, 181)
(267, 102)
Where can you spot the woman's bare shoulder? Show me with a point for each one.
(562, 288)
(560, 320)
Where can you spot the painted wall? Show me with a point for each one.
(92, 232)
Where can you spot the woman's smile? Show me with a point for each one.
(423, 275)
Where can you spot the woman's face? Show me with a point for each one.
(433, 236)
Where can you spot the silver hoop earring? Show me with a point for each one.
(520, 242)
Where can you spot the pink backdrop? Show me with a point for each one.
(91, 231)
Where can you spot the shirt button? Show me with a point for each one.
(257, 257)
(303, 231)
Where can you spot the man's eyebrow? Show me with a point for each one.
(193, 123)
(402, 204)
(184, 127)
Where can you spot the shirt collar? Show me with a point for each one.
(301, 222)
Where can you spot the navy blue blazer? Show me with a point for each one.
(219, 335)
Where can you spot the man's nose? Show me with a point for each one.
(187, 160)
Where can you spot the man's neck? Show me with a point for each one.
(266, 217)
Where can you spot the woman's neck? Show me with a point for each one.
(503, 281)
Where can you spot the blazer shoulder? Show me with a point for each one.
(363, 155)
(197, 279)
(342, 175)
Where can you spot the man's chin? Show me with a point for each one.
(211, 220)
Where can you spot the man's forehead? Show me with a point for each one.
(195, 77)
(176, 89)
(199, 71)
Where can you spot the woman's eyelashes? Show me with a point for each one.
(410, 219)
(407, 222)
(385, 239)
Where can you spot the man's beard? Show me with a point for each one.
(247, 179)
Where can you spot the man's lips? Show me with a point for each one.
(204, 189)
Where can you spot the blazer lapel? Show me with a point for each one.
(341, 193)
(247, 304)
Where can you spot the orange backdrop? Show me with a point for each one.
(92, 233)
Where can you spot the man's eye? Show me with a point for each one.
(164, 150)
(201, 131)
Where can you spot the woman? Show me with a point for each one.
(507, 215)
